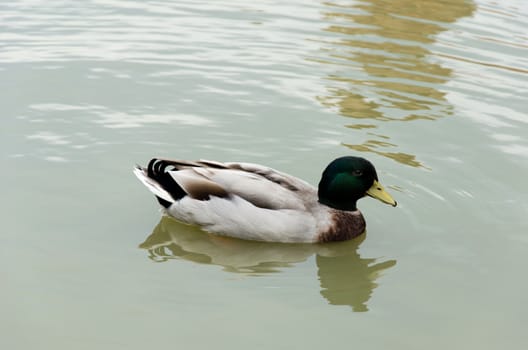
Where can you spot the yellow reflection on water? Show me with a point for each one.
(372, 145)
(385, 70)
(345, 277)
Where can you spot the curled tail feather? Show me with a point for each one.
(160, 182)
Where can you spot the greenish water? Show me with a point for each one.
(433, 93)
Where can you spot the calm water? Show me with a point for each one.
(432, 92)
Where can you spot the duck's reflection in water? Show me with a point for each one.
(345, 277)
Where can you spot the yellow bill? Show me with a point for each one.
(377, 191)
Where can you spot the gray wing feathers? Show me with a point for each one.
(262, 186)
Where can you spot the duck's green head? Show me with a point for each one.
(348, 179)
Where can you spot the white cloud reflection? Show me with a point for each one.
(115, 119)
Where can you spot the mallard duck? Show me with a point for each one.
(254, 202)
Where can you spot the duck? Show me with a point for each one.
(255, 202)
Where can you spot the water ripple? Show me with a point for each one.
(375, 62)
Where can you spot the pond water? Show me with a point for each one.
(433, 93)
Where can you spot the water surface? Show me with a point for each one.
(433, 93)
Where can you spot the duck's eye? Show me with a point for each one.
(357, 172)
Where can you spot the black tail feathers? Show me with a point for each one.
(157, 170)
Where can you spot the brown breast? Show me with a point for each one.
(346, 225)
